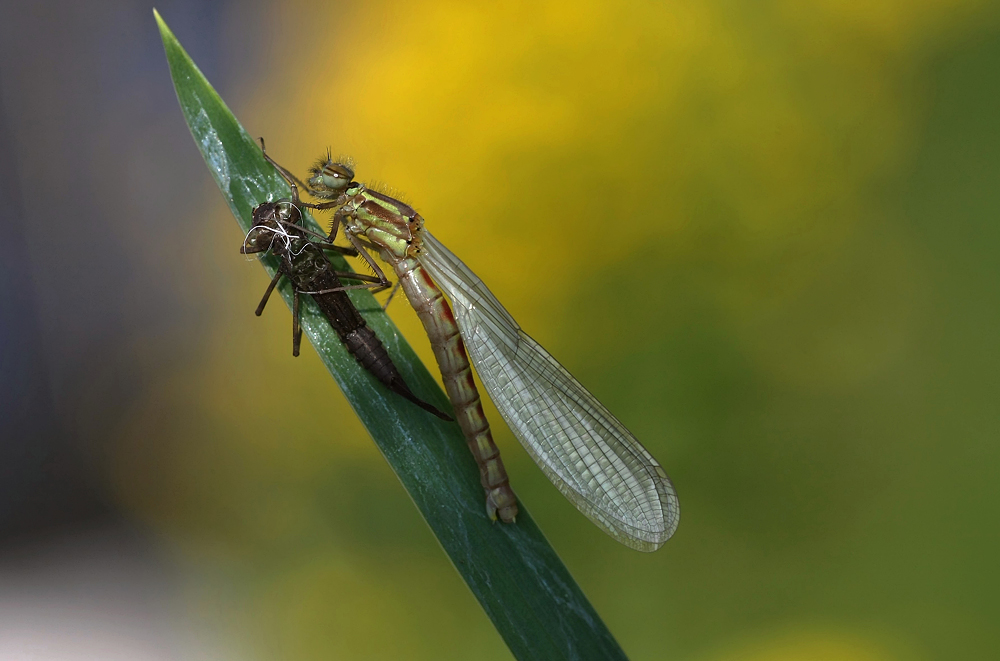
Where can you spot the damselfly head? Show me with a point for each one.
(330, 178)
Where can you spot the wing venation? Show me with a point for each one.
(579, 445)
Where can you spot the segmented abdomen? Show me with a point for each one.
(456, 372)
(365, 346)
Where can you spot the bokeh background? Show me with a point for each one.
(764, 234)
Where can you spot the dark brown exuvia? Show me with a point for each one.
(277, 227)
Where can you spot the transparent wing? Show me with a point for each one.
(583, 449)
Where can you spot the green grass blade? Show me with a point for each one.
(517, 577)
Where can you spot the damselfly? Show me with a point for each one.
(277, 227)
(580, 446)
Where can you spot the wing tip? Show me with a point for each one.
(650, 543)
(651, 539)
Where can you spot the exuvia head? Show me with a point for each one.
(330, 178)
(267, 219)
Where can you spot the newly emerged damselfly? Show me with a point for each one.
(580, 446)
(277, 227)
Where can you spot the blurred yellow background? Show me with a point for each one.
(764, 235)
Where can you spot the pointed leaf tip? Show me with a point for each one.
(160, 23)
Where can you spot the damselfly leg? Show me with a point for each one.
(395, 288)
(377, 283)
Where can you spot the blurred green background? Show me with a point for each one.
(764, 235)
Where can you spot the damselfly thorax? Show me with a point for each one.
(386, 222)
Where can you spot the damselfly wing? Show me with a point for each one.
(580, 446)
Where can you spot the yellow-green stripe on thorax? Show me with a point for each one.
(388, 223)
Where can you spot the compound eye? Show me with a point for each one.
(330, 178)
(337, 176)
(342, 171)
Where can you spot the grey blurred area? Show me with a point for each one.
(96, 592)
(93, 232)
